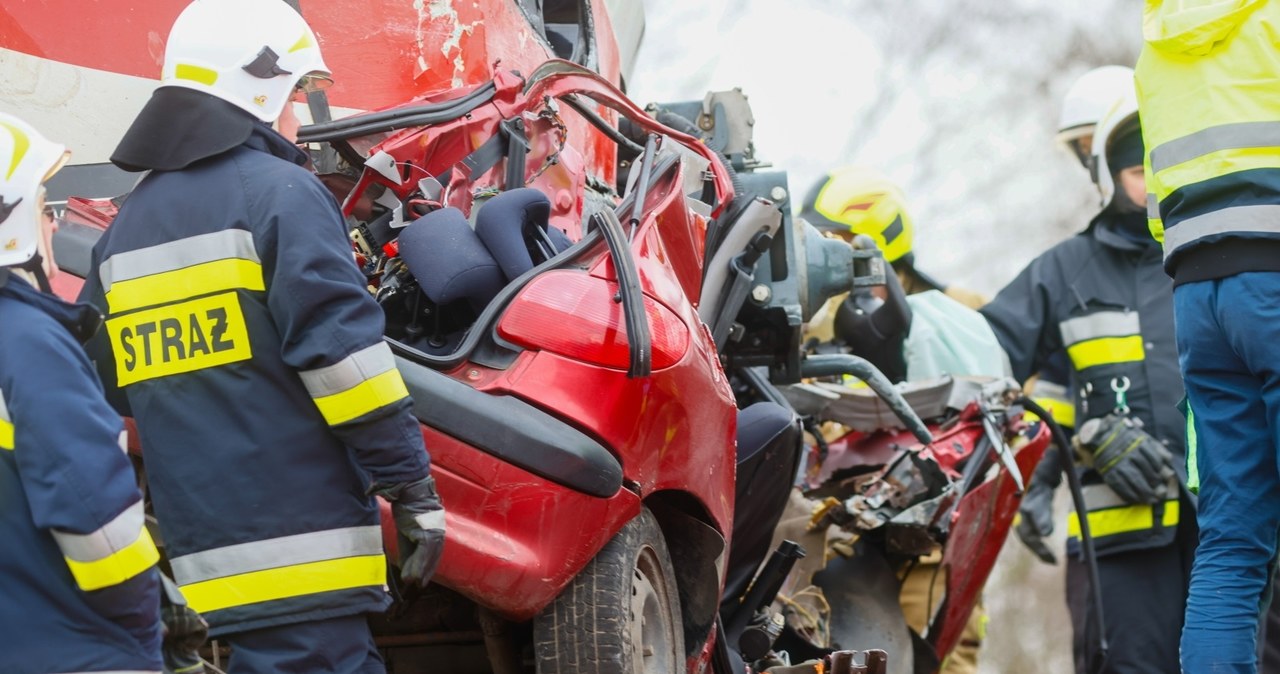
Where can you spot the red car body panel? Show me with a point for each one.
(981, 520)
(979, 527)
(382, 52)
(515, 539)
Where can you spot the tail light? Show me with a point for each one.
(574, 314)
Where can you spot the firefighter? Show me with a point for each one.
(1207, 79)
(244, 342)
(77, 565)
(1102, 297)
(1087, 101)
(855, 200)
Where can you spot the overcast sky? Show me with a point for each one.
(957, 101)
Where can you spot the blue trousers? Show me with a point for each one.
(1228, 333)
(334, 645)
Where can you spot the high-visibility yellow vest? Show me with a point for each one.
(1208, 84)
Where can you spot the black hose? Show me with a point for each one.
(603, 126)
(641, 190)
(686, 126)
(400, 118)
(835, 364)
(1086, 538)
(639, 340)
(678, 122)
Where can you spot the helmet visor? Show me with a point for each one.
(312, 82)
(57, 166)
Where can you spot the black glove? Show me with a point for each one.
(1036, 511)
(1131, 462)
(184, 631)
(419, 517)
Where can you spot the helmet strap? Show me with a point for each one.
(35, 268)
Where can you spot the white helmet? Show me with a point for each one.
(1121, 115)
(250, 53)
(1088, 99)
(27, 159)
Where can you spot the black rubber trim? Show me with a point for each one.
(400, 118)
(512, 430)
(599, 122)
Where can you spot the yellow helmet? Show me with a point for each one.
(862, 201)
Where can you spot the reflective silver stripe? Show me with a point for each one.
(1100, 496)
(1153, 207)
(1263, 218)
(1101, 324)
(113, 537)
(1236, 136)
(349, 372)
(1048, 389)
(4, 410)
(274, 553)
(188, 252)
(431, 520)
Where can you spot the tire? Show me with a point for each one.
(621, 615)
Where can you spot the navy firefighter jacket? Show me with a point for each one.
(1102, 298)
(78, 587)
(250, 353)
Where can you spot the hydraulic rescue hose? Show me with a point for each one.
(835, 364)
(1086, 538)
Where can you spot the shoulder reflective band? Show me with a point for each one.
(118, 551)
(6, 425)
(177, 270)
(1102, 338)
(279, 568)
(356, 385)
(177, 338)
(1123, 519)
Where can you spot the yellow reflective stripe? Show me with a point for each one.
(20, 145)
(303, 42)
(287, 581)
(1213, 165)
(116, 568)
(1105, 351)
(1156, 227)
(177, 338)
(180, 284)
(1125, 519)
(195, 73)
(1062, 411)
(363, 398)
(6, 435)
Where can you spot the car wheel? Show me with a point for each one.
(621, 615)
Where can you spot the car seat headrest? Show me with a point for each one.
(513, 224)
(449, 260)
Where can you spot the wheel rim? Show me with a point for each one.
(652, 634)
